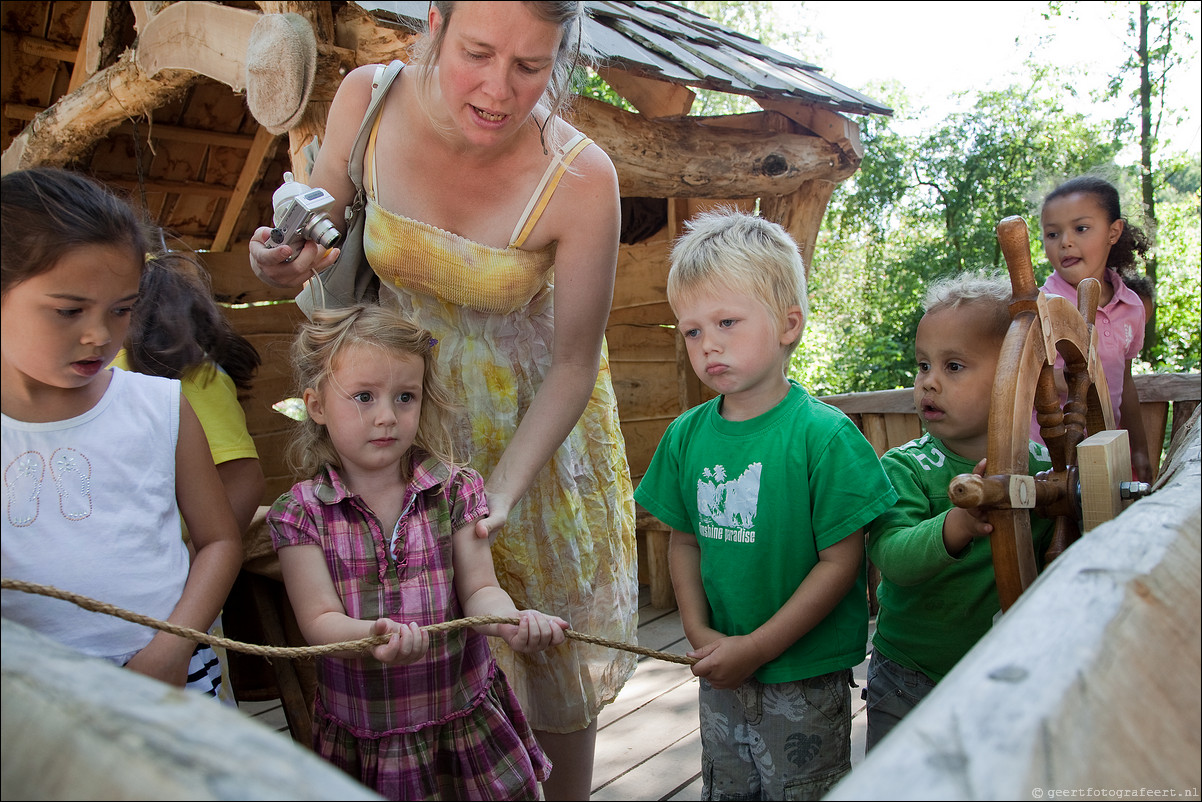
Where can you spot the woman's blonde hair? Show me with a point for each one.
(320, 343)
(727, 250)
(567, 14)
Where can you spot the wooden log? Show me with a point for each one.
(205, 38)
(372, 40)
(1068, 690)
(682, 158)
(67, 130)
(77, 727)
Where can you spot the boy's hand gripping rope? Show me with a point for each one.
(301, 652)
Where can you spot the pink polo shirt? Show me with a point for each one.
(1120, 325)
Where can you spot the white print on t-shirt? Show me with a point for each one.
(931, 461)
(726, 508)
(25, 476)
(937, 458)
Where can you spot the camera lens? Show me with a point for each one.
(322, 231)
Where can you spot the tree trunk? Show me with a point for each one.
(1145, 160)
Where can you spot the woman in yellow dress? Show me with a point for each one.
(494, 224)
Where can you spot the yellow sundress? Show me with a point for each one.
(568, 546)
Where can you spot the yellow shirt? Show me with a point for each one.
(214, 398)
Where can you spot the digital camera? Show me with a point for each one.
(301, 213)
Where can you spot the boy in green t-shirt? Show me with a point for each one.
(937, 593)
(766, 490)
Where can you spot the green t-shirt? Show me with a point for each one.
(763, 497)
(934, 607)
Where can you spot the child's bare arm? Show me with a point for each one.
(727, 663)
(684, 564)
(244, 483)
(1133, 422)
(481, 594)
(322, 617)
(218, 556)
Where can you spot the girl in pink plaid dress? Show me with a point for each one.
(383, 534)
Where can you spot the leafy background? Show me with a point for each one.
(925, 204)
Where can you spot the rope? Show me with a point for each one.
(302, 652)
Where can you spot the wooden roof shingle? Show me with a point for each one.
(670, 43)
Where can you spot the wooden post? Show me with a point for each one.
(1103, 460)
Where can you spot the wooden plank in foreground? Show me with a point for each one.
(77, 727)
(1090, 681)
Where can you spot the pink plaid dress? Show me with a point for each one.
(448, 726)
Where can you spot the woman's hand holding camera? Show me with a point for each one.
(275, 266)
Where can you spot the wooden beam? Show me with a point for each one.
(879, 401)
(260, 153)
(371, 40)
(71, 127)
(87, 57)
(172, 187)
(688, 385)
(801, 212)
(20, 111)
(682, 158)
(652, 98)
(89, 729)
(1169, 386)
(44, 48)
(832, 127)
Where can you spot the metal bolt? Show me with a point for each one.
(1134, 490)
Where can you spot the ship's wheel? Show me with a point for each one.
(1041, 326)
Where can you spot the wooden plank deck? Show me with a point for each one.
(648, 741)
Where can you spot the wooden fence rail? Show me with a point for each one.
(888, 419)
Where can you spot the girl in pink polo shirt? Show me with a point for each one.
(1086, 236)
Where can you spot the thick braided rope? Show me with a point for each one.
(301, 652)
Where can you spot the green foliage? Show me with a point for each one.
(926, 206)
(1169, 47)
(589, 84)
(1179, 258)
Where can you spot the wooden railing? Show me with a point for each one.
(888, 419)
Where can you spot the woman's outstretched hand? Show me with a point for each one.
(498, 512)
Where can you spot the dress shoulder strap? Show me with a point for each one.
(546, 188)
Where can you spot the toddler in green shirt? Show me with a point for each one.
(937, 592)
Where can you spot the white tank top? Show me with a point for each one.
(89, 507)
